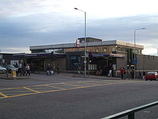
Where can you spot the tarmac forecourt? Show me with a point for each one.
(54, 87)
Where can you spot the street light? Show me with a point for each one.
(134, 58)
(85, 41)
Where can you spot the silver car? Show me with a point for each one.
(2, 70)
(11, 67)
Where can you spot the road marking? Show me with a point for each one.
(58, 87)
(55, 87)
(24, 94)
(31, 90)
(3, 94)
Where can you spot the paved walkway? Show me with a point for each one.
(4, 76)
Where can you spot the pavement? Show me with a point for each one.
(10, 77)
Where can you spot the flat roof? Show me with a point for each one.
(88, 44)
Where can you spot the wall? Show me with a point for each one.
(147, 62)
(62, 63)
(121, 62)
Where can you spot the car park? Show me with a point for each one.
(2, 70)
(151, 76)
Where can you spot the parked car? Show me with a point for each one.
(151, 76)
(2, 70)
(11, 67)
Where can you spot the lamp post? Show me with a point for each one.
(134, 58)
(85, 42)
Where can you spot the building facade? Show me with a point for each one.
(104, 55)
(112, 54)
(8, 58)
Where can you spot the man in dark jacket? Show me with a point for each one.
(49, 70)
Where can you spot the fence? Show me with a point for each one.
(131, 112)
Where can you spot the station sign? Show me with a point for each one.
(77, 43)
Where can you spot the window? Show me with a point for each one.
(114, 49)
(105, 50)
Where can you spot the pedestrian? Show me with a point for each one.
(23, 69)
(122, 72)
(19, 72)
(79, 69)
(110, 73)
(140, 75)
(28, 70)
(49, 70)
(143, 75)
(132, 74)
(124, 75)
(99, 71)
(58, 69)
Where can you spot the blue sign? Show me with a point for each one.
(134, 61)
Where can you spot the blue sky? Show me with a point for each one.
(25, 23)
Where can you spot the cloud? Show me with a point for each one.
(28, 30)
(39, 22)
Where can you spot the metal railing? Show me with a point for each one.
(131, 112)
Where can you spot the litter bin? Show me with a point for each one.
(13, 72)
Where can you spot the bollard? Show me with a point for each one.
(13, 72)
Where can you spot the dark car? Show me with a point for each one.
(151, 76)
(11, 67)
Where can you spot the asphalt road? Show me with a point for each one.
(66, 97)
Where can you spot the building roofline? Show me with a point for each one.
(88, 44)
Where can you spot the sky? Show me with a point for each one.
(25, 23)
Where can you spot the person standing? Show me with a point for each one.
(132, 74)
(110, 73)
(28, 70)
(140, 75)
(143, 75)
(19, 69)
(58, 69)
(79, 70)
(122, 72)
(49, 70)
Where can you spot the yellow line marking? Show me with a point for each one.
(10, 88)
(3, 94)
(31, 90)
(61, 89)
(72, 84)
(18, 95)
(18, 91)
(55, 87)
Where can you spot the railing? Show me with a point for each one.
(131, 112)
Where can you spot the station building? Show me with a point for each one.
(113, 54)
(8, 58)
